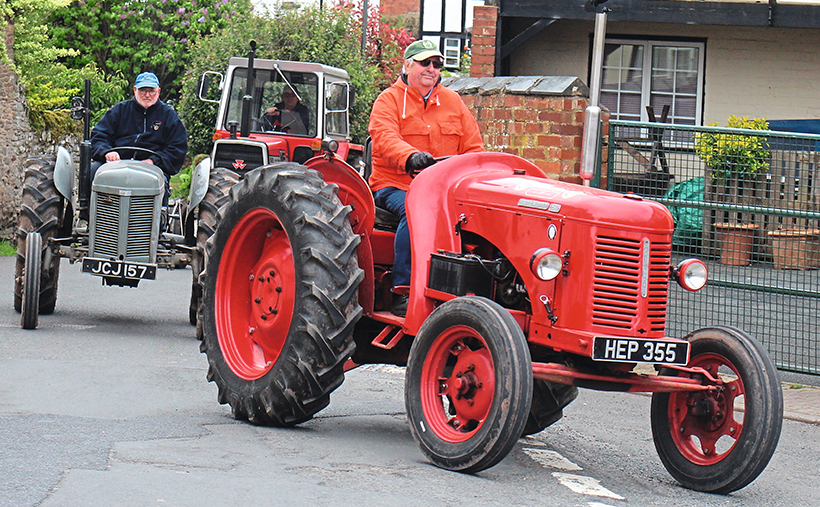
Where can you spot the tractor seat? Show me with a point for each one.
(386, 221)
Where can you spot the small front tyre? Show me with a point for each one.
(469, 384)
(31, 281)
(703, 440)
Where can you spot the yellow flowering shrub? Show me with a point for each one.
(734, 154)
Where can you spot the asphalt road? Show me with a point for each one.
(106, 404)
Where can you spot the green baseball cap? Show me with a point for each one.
(421, 50)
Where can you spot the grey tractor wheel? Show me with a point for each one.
(42, 210)
(31, 281)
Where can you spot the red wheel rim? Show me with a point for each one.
(254, 297)
(703, 424)
(457, 384)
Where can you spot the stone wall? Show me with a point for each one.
(17, 141)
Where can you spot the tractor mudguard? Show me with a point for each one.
(64, 174)
(431, 209)
(199, 182)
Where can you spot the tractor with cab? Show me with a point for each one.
(245, 139)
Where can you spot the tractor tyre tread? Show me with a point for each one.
(41, 210)
(220, 182)
(320, 339)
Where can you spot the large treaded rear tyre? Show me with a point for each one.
(702, 437)
(41, 210)
(220, 182)
(280, 295)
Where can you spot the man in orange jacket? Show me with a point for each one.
(413, 122)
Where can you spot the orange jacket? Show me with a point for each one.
(401, 125)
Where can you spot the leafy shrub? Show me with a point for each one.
(128, 37)
(731, 155)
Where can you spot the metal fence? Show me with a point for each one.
(748, 203)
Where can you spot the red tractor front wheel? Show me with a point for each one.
(469, 384)
(720, 440)
(280, 295)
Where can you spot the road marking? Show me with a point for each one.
(551, 459)
(585, 485)
(599, 504)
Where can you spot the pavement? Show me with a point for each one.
(801, 397)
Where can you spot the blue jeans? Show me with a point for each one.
(392, 199)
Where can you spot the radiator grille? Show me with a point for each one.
(140, 222)
(619, 276)
(107, 226)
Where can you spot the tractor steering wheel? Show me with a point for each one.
(134, 149)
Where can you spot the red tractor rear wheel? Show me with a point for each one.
(702, 437)
(469, 384)
(280, 295)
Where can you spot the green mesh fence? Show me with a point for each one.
(747, 202)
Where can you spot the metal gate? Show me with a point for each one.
(748, 203)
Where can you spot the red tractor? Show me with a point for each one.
(247, 136)
(523, 289)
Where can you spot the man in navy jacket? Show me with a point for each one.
(146, 122)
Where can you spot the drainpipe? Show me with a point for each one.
(592, 115)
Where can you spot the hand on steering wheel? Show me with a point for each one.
(112, 155)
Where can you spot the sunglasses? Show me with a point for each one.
(437, 63)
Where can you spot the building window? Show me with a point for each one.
(452, 53)
(637, 74)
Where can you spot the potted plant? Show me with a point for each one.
(734, 161)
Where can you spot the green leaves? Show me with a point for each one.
(733, 154)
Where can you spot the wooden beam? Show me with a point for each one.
(519, 40)
(769, 13)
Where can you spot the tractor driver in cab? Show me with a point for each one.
(414, 121)
(289, 116)
(145, 122)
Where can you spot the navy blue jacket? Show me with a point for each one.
(157, 128)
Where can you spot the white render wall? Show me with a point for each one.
(771, 73)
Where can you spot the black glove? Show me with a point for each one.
(418, 161)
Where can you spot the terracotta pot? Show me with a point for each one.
(796, 248)
(736, 243)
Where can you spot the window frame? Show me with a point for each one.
(647, 73)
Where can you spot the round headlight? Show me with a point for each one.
(546, 264)
(691, 274)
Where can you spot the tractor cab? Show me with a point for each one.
(279, 111)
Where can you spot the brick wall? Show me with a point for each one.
(403, 13)
(485, 19)
(540, 119)
(537, 118)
